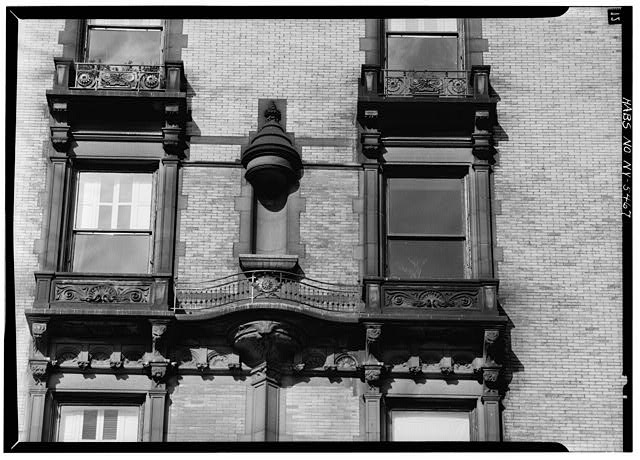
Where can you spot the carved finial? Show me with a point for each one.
(272, 113)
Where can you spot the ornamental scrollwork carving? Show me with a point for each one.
(431, 298)
(267, 284)
(101, 293)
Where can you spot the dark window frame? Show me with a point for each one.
(460, 34)
(106, 167)
(97, 399)
(426, 172)
(431, 404)
(83, 54)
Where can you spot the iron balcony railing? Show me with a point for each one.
(119, 76)
(264, 285)
(453, 83)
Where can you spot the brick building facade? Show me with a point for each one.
(292, 311)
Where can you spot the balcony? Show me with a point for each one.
(129, 102)
(423, 103)
(433, 300)
(268, 289)
(86, 294)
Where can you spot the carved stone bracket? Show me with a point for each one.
(373, 374)
(483, 136)
(60, 129)
(370, 136)
(115, 361)
(158, 330)
(271, 342)
(372, 346)
(173, 130)
(39, 333)
(157, 368)
(446, 365)
(40, 370)
(84, 360)
(492, 357)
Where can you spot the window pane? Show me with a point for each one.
(423, 25)
(101, 197)
(430, 426)
(89, 424)
(124, 216)
(122, 46)
(98, 423)
(111, 253)
(110, 425)
(426, 206)
(406, 52)
(426, 259)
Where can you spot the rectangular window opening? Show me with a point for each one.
(427, 229)
(113, 222)
(124, 42)
(78, 423)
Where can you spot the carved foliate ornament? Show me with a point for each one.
(39, 369)
(446, 365)
(271, 342)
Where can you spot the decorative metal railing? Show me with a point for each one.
(119, 76)
(427, 83)
(262, 285)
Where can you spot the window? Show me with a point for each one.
(435, 425)
(426, 226)
(98, 423)
(112, 229)
(124, 41)
(424, 44)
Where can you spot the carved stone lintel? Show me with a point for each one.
(39, 369)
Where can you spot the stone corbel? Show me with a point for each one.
(414, 365)
(492, 354)
(158, 369)
(370, 136)
(115, 361)
(84, 360)
(482, 136)
(158, 330)
(40, 370)
(372, 345)
(172, 132)
(446, 365)
(39, 333)
(60, 129)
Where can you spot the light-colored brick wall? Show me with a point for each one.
(558, 186)
(206, 409)
(208, 222)
(37, 46)
(314, 64)
(318, 410)
(329, 227)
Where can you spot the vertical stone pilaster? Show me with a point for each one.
(265, 413)
(372, 235)
(372, 415)
(54, 224)
(166, 218)
(483, 243)
(157, 398)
